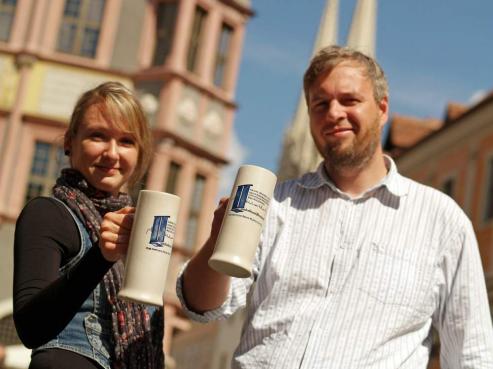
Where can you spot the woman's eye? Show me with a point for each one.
(97, 135)
(128, 141)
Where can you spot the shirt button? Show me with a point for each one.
(375, 247)
(345, 245)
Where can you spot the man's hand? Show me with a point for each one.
(115, 233)
(218, 218)
(203, 288)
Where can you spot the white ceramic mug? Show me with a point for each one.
(242, 224)
(149, 249)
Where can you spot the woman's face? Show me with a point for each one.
(105, 155)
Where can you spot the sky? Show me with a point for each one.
(432, 51)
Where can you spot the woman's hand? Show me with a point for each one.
(115, 233)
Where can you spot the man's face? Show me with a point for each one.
(345, 119)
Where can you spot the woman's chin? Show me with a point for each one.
(107, 185)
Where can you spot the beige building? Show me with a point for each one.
(454, 155)
(457, 158)
(182, 58)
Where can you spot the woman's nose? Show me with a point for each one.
(112, 149)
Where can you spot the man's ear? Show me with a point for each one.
(383, 106)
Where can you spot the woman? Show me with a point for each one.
(66, 278)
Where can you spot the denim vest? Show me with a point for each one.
(89, 333)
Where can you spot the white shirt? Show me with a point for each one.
(357, 283)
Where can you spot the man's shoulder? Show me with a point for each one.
(434, 200)
(287, 185)
(292, 187)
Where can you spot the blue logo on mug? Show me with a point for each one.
(240, 198)
(158, 232)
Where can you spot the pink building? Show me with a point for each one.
(182, 58)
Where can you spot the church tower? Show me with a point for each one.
(299, 154)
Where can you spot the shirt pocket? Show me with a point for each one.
(397, 276)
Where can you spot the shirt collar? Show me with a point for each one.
(394, 182)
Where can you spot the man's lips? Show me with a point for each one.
(337, 131)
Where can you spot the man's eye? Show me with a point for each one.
(318, 106)
(350, 101)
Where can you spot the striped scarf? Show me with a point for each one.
(136, 345)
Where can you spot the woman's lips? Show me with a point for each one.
(109, 170)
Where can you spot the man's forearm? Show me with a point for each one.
(204, 289)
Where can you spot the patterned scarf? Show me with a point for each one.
(136, 345)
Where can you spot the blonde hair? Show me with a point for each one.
(121, 107)
(329, 57)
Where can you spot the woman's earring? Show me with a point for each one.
(67, 152)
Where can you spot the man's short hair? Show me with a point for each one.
(329, 57)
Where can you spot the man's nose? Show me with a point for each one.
(335, 111)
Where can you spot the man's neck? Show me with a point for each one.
(356, 181)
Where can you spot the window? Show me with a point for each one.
(80, 28)
(7, 11)
(47, 163)
(165, 27)
(193, 216)
(222, 54)
(173, 174)
(193, 48)
(489, 192)
(448, 187)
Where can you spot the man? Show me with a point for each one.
(356, 262)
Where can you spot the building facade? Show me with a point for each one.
(457, 158)
(180, 56)
(454, 155)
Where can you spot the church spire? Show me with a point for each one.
(299, 154)
(327, 31)
(363, 27)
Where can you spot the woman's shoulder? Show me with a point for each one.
(48, 213)
(44, 203)
(44, 220)
(47, 208)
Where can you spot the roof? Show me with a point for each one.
(406, 131)
(454, 110)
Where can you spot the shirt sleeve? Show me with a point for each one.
(235, 300)
(464, 321)
(46, 236)
(240, 287)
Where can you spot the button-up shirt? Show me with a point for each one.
(347, 282)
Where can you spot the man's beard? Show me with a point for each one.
(357, 154)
